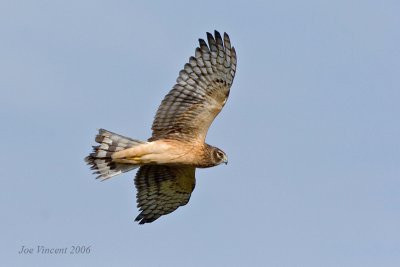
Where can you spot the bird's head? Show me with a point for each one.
(219, 156)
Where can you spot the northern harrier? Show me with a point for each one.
(168, 160)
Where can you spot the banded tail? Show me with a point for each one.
(100, 159)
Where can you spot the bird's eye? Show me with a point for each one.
(220, 154)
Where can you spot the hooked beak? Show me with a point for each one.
(226, 160)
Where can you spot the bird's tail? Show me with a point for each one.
(100, 159)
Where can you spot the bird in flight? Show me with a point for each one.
(168, 160)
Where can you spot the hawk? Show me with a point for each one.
(168, 160)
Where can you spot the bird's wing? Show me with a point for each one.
(162, 189)
(200, 92)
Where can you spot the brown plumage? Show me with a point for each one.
(166, 177)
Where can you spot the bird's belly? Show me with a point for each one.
(157, 152)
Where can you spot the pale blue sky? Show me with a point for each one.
(311, 129)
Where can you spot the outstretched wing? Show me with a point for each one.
(162, 189)
(201, 91)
